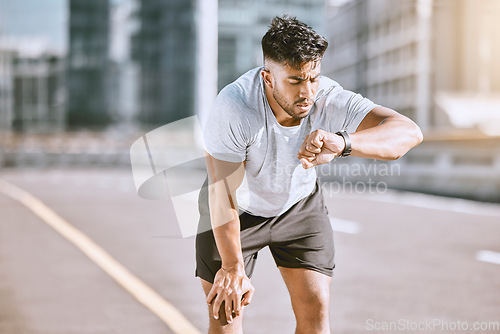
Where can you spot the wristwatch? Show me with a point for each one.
(347, 150)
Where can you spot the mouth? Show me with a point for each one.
(304, 106)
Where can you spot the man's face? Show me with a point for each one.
(294, 90)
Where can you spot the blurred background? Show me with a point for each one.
(82, 80)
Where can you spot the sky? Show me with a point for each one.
(35, 23)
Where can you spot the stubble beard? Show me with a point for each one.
(287, 107)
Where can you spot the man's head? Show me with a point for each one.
(292, 59)
(293, 43)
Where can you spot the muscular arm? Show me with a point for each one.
(224, 180)
(231, 282)
(383, 134)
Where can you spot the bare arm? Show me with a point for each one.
(383, 134)
(231, 282)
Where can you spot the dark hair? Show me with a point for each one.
(289, 41)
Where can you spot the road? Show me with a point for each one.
(400, 257)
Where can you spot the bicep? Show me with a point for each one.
(378, 115)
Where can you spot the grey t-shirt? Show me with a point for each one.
(242, 126)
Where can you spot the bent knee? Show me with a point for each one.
(312, 315)
(314, 307)
(221, 325)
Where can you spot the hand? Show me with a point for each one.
(320, 147)
(233, 287)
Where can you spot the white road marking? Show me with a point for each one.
(345, 226)
(142, 292)
(488, 256)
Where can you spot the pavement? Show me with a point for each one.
(418, 263)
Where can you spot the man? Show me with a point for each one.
(265, 133)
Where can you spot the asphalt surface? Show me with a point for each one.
(406, 258)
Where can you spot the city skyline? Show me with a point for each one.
(34, 29)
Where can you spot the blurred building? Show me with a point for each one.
(124, 72)
(6, 89)
(381, 49)
(434, 61)
(420, 57)
(165, 49)
(37, 93)
(242, 23)
(88, 61)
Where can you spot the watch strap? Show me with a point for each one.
(347, 140)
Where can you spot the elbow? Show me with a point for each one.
(417, 135)
(414, 138)
(394, 156)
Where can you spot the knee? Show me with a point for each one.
(313, 310)
(314, 318)
(221, 326)
(317, 303)
(316, 296)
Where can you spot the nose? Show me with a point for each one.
(306, 90)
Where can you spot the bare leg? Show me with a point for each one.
(220, 325)
(310, 295)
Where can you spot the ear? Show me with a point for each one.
(268, 78)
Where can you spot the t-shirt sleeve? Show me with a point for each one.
(345, 109)
(226, 130)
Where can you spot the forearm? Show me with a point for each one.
(224, 179)
(389, 140)
(227, 238)
(231, 285)
(226, 228)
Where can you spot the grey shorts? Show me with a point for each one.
(302, 237)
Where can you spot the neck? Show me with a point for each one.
(281, 115)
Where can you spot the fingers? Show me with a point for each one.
(314, 143)
(247, 296)
(216, 306)
(317, 140)
(211, 295)
(317, 149)
(226, 295)
(303, 151)
(308, 151)
(311, 146)
(229, 310)
(216, 295)
(237, 304)
(309, 163)
(226, 303)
